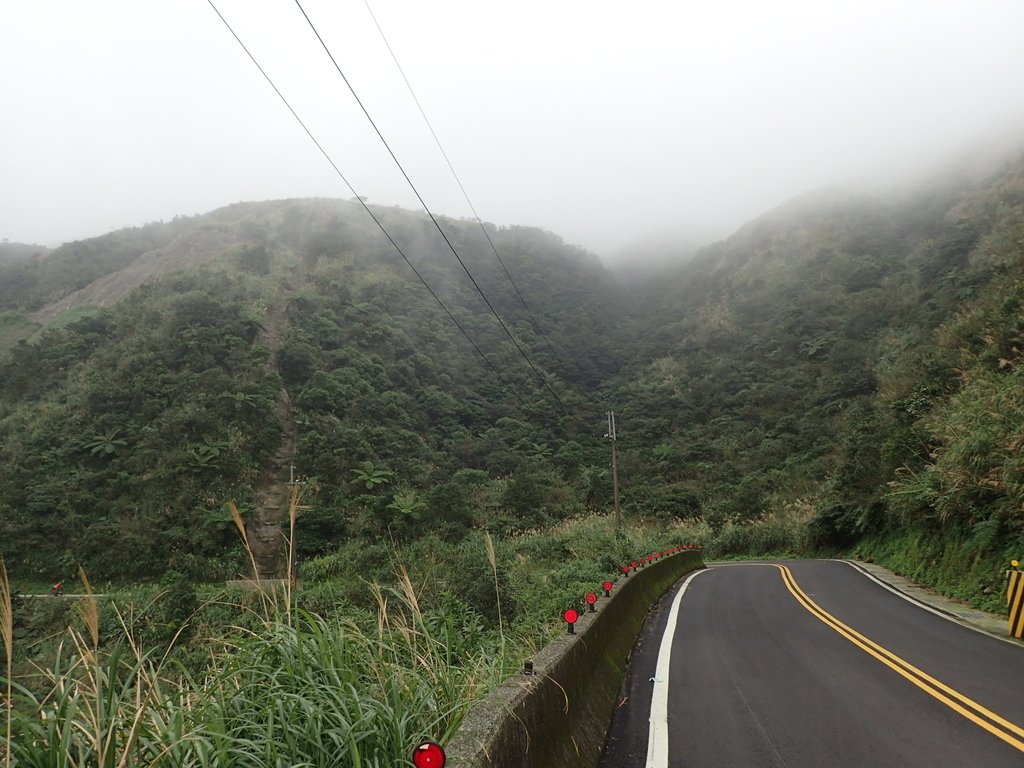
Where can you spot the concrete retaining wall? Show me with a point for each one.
(558, 717)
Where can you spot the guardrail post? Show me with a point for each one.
(1015, 599)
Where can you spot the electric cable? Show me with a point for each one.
(430, 213)
(365, 206)
(465, 194)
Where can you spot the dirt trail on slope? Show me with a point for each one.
(267, 531)
(193, 249)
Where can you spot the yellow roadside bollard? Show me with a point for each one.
(1015, 599)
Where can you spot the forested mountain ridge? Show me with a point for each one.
(136, 421)
(828, 357)
(851, 358)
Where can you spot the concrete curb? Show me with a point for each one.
(558, 717)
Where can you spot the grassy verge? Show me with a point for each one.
(379, 647)
(946, 561)
(294, 689)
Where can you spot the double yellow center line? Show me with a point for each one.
(998, 726)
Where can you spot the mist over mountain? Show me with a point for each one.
(847, 360)
(11, 252)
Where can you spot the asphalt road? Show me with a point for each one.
(812, 664)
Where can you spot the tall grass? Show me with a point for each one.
(329, 693)
(357, 689)
(305, 691)
(94, 711)
(492, 560)
(7, 634)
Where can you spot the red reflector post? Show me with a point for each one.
(428, 755)
(570, 617)
(607, 589)
(591, 600)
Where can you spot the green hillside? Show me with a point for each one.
(853, 362)
(845, 364)
(174, 368)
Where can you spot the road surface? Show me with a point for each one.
(808, 664)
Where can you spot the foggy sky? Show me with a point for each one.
(601, 121)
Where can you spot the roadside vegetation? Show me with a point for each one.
(842, 376)
(342, 670)
(287, 688)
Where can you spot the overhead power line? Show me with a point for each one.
(364, 205)
(462, 188)
(430, 213)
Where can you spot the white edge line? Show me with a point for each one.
(922, 605)
(657, 733)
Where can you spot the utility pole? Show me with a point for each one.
(615, 469)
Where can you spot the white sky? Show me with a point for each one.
(601, 121)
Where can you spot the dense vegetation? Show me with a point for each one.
(858, 357)
(142, 418)
(333, 673)
(848, 360)
(841, 375)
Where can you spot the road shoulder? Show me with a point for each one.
(954, 610)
